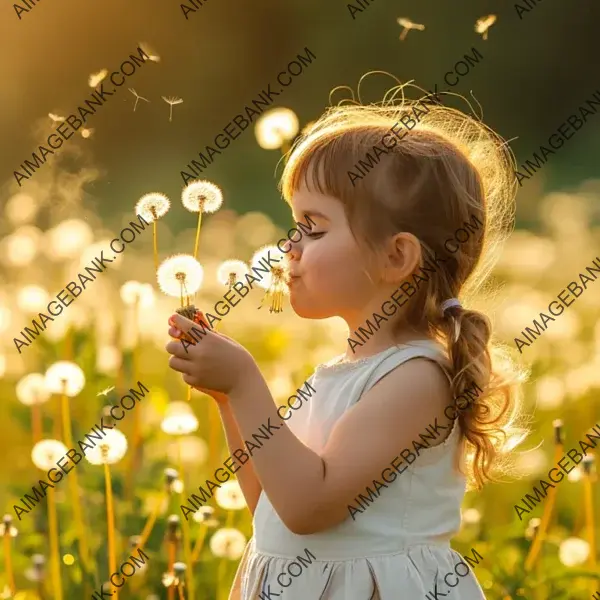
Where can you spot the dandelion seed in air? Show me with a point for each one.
(147, 50)
(137, 97)
(86, 133)
(56, 118)
(482, 25)
(106, 391)
(408, 25)
(95, 78)
(171, 102)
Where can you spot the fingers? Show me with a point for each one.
(181, 365)
(176, 348)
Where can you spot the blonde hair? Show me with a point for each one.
(448, 170)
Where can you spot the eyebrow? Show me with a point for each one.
(315, 213)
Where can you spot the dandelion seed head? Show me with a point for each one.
(228, 543)
(152, 206)
(236, 267)
(46, 452)
(181, 271)
(277, 272)
(203, 514)
(202, 196)
(229, 496)
(31, 389)
(110, 450)
(65, 377)
(573, 551)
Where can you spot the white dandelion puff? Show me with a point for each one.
(229, 496)
(32, 389)
(46, 453)
(137, 97)
(231, 271)
(180, 275)
(95, 78)
(482, 25)
(408, 25)
(171, 101)
(152, 206)
(228, 543)
(276, 271)
(65, 377)
(179, 419)
(202, 196)
(111, 449)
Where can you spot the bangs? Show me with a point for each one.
(321, 161)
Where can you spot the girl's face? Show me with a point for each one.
(327, 269)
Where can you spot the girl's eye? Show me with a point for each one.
(316, 235)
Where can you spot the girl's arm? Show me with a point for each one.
(311, 492)
(246, 475)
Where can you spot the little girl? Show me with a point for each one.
(357, 494)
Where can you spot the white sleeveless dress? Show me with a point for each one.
(399, 545)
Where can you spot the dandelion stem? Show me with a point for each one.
(74, 488)
(110, 517)
(199, 543)
(589, 518)
(197, 242)
(36, 422)
(172, 550)
(155, 241)
(54, 546)
(187, 546)
(8, 560)
(534, 551)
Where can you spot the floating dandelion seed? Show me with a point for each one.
(231, 271)
(408, 25)
(137, 97)
(95, 78)
(274, 281)
(202, 197)
(151, 207)
(180, 276)
(56, 118)
(171, 102)
(482, 25)
(86, 133)
(106, 391)
(151, 54)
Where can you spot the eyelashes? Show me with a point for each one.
(317, 235)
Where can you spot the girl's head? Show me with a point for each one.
(411, 202)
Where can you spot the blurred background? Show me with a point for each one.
(534, 74)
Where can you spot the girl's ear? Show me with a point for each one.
(403, 256)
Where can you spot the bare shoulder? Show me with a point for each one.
(414, 393)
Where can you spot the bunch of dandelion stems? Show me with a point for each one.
(534, 551)
(74, 489)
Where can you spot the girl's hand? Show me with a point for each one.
(215, 362)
